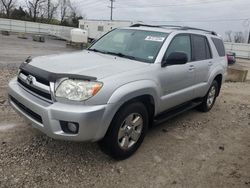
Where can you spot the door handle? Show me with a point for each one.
(191, 67)
(210, 63)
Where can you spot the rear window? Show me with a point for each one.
(219, 46)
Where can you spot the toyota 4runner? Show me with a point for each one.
(126, 81)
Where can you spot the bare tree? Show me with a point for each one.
(8, 5)
(229, 35)
(34, 7)
(1, 9)
(64, 9)
(74, 10)
(51, 9)
(75, 14)
(239, 37)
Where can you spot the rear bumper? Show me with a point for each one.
(93, 120)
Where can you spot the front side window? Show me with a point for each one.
(134, 44)
(180, 43)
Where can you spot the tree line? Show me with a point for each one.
(237, 37)
(58, 12)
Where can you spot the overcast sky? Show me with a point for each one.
(218, 15)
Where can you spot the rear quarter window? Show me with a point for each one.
(219, 46)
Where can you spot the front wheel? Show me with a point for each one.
(210, 98)
(126, 131)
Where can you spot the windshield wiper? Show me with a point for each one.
(121, 55)
(113, 53)
(100, 51)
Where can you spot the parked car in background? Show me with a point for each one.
(231, 58)
(129, 79)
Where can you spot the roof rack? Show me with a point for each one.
(171, 26)
(144, 25)
(198, 29)
(174, 26)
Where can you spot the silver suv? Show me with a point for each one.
(129, 79)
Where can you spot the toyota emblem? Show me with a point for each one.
(29, 79)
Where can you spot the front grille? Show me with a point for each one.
(26, 110)
(39, 92)
(38, 86)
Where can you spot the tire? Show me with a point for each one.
(210, 98)
(126, 132)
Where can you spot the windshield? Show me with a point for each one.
(133, 44)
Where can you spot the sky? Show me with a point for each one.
(217, 15)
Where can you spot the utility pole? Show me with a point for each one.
(111, 9)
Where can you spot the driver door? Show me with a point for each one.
(177, 80)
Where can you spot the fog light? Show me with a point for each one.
(69, 127)
(72, 127)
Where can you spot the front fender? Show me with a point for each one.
(135, 89)
(125, 93)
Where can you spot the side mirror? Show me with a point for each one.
(175, 58)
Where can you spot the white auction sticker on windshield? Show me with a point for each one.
(155, 39)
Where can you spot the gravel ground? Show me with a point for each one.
(192, 150)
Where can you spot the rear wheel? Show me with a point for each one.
(210, 98)
(126, 131)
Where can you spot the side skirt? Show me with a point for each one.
(168, 114)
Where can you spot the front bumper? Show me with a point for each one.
(93, 120)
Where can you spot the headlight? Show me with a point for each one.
(77, 90)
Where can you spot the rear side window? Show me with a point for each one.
(201, 48)
(219, 46)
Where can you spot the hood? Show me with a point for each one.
(86, 63)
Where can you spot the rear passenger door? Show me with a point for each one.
(202, 61)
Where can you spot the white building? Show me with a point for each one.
(97, 28)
